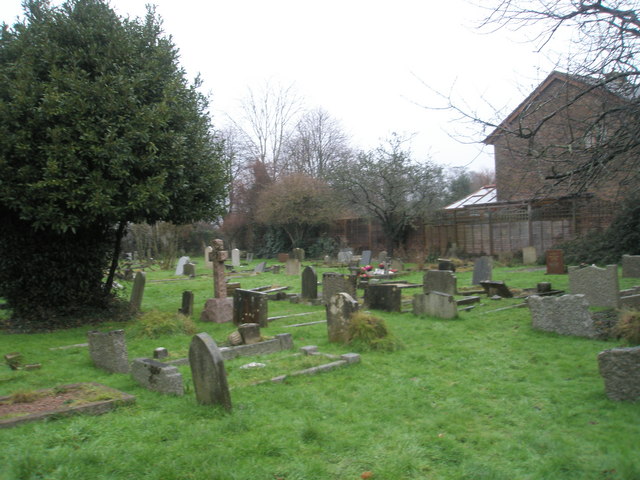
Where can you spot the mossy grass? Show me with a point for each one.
(480, 397)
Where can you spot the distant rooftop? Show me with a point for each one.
(486, 194)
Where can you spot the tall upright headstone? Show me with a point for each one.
(180, 266)
(235, 257)
(600, 286)
(250, 307)
(108, 350)
(555, 262)
(365, 259)
(187, 304)
(333, 283)
(292, 267)
(309, 284)
(529, 255)
(220, 308)
(339, 311)
(208, 372)
(208, 262)
(440, 281)
(482, 270)
(298, 254)
(137, 292)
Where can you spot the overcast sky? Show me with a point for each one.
(364, 62)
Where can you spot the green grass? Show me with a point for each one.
(480, 397)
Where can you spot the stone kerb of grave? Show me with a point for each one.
(208, 372)
(620, 369)
(157, 376)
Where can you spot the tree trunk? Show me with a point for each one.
(114, 260)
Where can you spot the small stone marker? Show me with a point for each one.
(208, 262)
(339, 310)
(283, 257)
(383, 297)
(157, 376)
(250, 333)
(435, 304)
(137, 292)
(108, 350)
(187, 304)
(309, 284)
(208, 372)
(333, 283)
(600, 286)
(259, 268)
(555, 262)
(365, 259)
(631, 266)
(446, 264)
(529, 255)
(298, 254)
(189, 269)
(160, 352)
(565, 315)
(180, 267)
(620, 369)
(235, 257)
(292, 267)
(482, 270)
(249, 257)
(440, 281)
(496, 288)
(250, 307)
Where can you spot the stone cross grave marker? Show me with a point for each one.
(292, 267)
(600, 286)
(482, 270)
(250, 307)
(137, 292)
(339, 310)
(208, 372)
(365, 259)
(108, 350)
(631, 266)
(180, 266)
(220, 308)
(443, 281)
(309, 284)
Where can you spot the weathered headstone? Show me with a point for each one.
(235, 257)
(397, 265)
(555, 262)
(292, 267)
(631, 266)
(208, 372)
(383, 297)
(250, 333)
(180, 266)
(365, 259)
(443, 281)
(309, 284)
(333, 283)
(345, 256)
(565, 315)
(250, 307)
(249, 257)
(529, 255)
(189, 269)
(137, 292)
(339, 311)
(600, 286)
(493, 288)
(382, 257)
(157, 376)
(108, 350)
(620, 369)
(435, 304)
(298, 254)
(208, 261)
(160, 352)
(187, 304)
(259, 268)
(446, 264)
(482, 270)
(220, 308)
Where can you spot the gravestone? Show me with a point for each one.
(187, 304)
(482, 270)
(397, 265)
(339, 310)
(565, 315)
(180, 266)
(298, 254)
(555, 262)
(208, 261)
(309, 284)
(529, 256)
(435, 304)
(220, 308)
(275, 269)
(235, 257)
(208, 372)
(383, 297)
(365, 259)
(631, 266)
(189, 269)
(382, 257)
(157, 376)
(249, 257)
(108, 350)
(620, 369)
(443, 281)
(250, 307)
(283, 257)
(250, 333)
(345, 256)
(600, 286)
(333, 283)
(137, 292)
(260, 267)
(160, 352)
(496, 288)
(292, 267)
(445, 264)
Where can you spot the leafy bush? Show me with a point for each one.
(367, 332)
(322, 246)
(628, 326)
(154, 324)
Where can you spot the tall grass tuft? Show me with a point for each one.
(368, 332)
(628, 326)
(154, 324)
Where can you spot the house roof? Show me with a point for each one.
(485, 195)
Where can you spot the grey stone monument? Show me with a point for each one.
(333, 283)
(298, 254)
(180, 266)
(157, 376)
(440, 281)
(482, 270)
(250, 307)
(309, 284)
(208, 372)
(208, 262)
(250, 333)
(565, 315)
(259, 268)
(108, 350)
(600, 286)
(529, 255)
(631, 266)
(620, 369)
(383, 297)
(187, 304)
(339, 310)
(365, 259)
(292, 267)
(435, 304)
(235, 257)
(137, 292)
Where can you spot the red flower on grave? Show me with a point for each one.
(381, 265)
(393, 270)
(368, 268)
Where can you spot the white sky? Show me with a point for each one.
(360, 60)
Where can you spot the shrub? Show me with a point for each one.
(628, 326)
(367, 332)
(154, 324)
